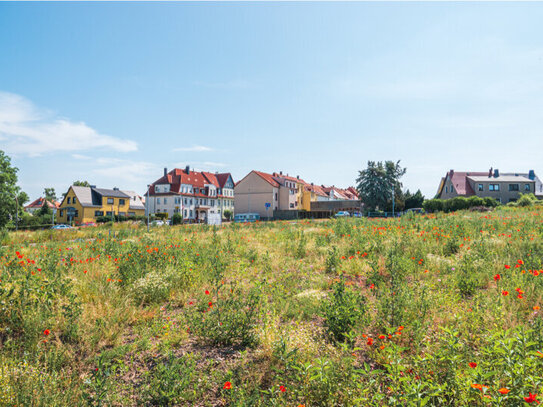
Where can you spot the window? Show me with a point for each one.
(131, 213)
(122, 213)
(190, 201)
(480, 187)
(157, 188)
(165, 200)
(110, 201)
(527, 187)
(494, 187)
(191, 213)
(185, 213)
(69, 199)
(292, 205)
(158, 201)
(212, 202)
(513, 187)
(61, 212)
(121, 201)
(185, 203)
(109, 213)
(276, 196)
(98, 213)
(73, 200)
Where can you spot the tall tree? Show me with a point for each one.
(376, 183)
(413, 200)
(50, 194)
(11, 195)
(81, 184)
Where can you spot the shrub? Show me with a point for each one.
(153, 287)
(343, 310)
(225, 317)
(433, 205)
(177, 219)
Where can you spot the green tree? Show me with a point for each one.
(375, 183)
(9, 191)
(50, 194)
(81, 184)
(413, 200)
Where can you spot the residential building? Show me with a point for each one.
(264, 193)
(504, 187)
(85, 204)
(194, 195)
(39, 203)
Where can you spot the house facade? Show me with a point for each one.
(282, 192)
(192, 194)
(39, 203)
(504, 187)
(85, 204)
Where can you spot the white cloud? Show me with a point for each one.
(197, 149)
(81, 157)
(28, 130)
(209, 166)
(129, 171)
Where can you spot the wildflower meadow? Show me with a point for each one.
(435, 310)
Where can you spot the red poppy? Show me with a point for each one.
(206, 292)
(503, 390)
(210, 304)
(505, 292)
(46, 332)
(282, 389)
(507, 266)
(381, 336)
(497, 277)
(473, 365)
(227, 386)
(370, 341)
(531, 398)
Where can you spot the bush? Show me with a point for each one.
(228, 214)
(433, 205)
(341, 312)
(177, 219)
(225, 317)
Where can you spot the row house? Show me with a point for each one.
(194, 195)
(263, 193)
(504, 187)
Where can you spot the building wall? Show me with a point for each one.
(448, 191)
(251, 194)
(503, 195)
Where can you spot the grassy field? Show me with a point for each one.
(423, 310)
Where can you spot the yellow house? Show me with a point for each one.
(85, 204)
(312, 193)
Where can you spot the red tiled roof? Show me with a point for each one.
(178, 176)
(222, 178)
(38, 203)
(267, 177)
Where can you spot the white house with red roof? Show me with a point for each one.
(194, 195)
(39, 203)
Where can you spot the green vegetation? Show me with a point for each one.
(437, 310)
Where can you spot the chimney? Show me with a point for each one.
(297, 176)
(531, 175)
(187, 169)
(496, 173)
(165, 171)
(115, 188)
(281, 172)
(490, 172)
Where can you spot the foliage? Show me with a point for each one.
(376, 182)
(177, 219)
(49, 194)
(10, 193)
(228, 214)
(81, 184)
(458, 203)
(342, 312)
(413, 200)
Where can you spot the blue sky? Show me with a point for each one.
(114, 92)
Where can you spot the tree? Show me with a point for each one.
(9, 191)
(413, 200)
(50, 194)
(375, 183)
(81, 184)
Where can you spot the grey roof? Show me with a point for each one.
(502, 178)
(115, 193)
(85, 196)
(135, 200)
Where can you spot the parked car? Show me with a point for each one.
(158, 223)
(61, 227)
(357, 215)
(342, 214)
(246, 217)
(415, 210)
(87, 224)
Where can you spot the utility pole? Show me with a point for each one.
(16, 213)
(392, 200)
(147, 203)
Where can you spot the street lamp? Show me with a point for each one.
(392, 200)
(16, 212)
